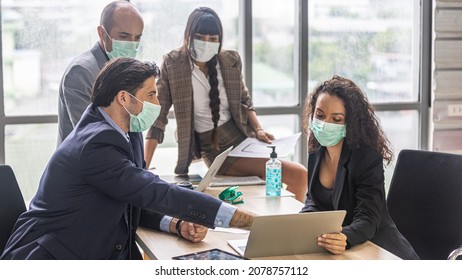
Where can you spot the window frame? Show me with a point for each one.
(422, 105)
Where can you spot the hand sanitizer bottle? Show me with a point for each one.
(273, 174)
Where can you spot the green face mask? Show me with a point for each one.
(147, 116)
(327, 134)
(122, 48)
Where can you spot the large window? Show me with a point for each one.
(274, 43)
(40, 38)
(376, 44)
(287, 48)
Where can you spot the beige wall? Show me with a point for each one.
(446, 133)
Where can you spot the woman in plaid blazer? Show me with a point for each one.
(213, 108)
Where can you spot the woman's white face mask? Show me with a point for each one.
(204, 51)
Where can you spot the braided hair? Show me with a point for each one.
(205, 21)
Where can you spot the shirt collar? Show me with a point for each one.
(113, 124)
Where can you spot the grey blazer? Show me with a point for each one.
(175, 88)
(75, 88)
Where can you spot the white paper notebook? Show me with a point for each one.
(238, 245)
(255, 148)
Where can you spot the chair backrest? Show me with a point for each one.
(425, 201)
(11, 203)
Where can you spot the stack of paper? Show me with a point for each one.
(254, 148)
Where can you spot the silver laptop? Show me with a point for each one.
(213, 169)
(289, 234)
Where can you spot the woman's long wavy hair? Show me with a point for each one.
(362, 126)
(205, 21)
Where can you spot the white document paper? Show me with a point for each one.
(254, 148)
(230, 230)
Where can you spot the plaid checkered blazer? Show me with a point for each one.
(175, 88)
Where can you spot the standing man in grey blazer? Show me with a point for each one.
(120, 30)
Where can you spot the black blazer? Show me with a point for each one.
(90, 195)
(359, 189)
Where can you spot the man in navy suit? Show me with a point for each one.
(93, 189)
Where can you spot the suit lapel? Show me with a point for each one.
(314, 163)
(341, 175)
(231, 78)
(94, 115)
(182, 98)
(136, 143)
(100, 56)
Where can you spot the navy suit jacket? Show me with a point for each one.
(90, 195)
(359, 189)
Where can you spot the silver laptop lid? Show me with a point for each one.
(213, 169)
(291, 234)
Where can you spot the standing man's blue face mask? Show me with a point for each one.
(122, 48)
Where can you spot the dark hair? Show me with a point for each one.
(362, 126)
(107, 15)
(202, 20)
(205, 21)
(123, 73)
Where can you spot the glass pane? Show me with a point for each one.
(28, 149)
(273, 53)
(166, 155)
(372, 42)
(40, 38)
(165, 21)
(396, 124)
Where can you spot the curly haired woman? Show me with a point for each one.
(347, 149)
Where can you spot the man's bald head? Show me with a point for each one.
(117, 10)
(121, 21)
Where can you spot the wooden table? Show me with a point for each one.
(164, 246)
(248, 191)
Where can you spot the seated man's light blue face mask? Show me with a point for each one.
(122, 48)
(147, 116)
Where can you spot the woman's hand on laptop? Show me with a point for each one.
(333, 242)
(193, 232)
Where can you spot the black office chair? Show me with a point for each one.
(425, 201)
(11, 203)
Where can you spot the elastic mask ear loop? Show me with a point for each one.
(134, 97)
(104, 41)
(127, 111)
(136, 100)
